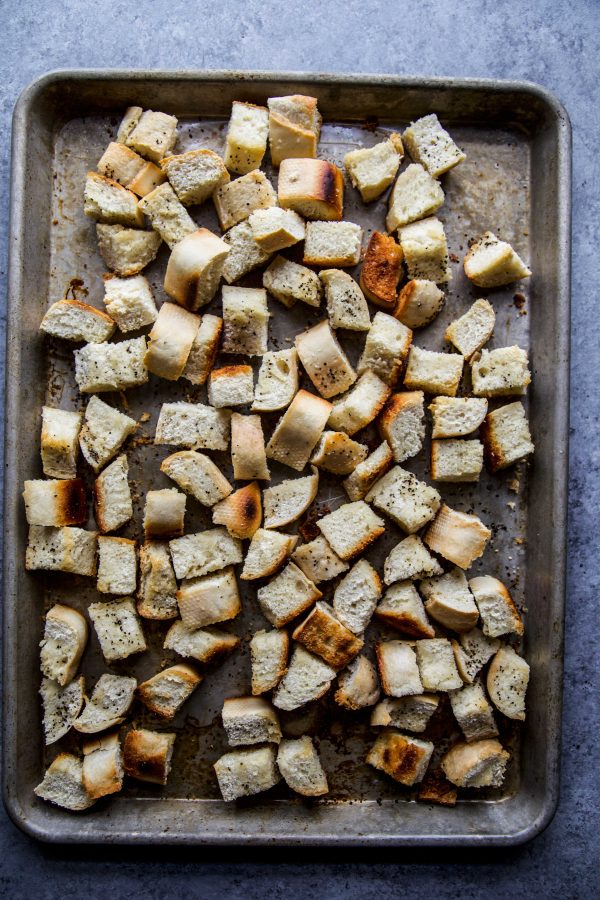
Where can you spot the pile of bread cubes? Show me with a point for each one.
(455, 634)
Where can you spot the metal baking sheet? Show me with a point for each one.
(515, 181)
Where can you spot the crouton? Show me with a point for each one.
(381, 270)
(164, 513)
(72, 320)
(61, 706)
(419, 302)
(111, 367)
(63, 784)
(268, 656)
(171, 340)
(157, 594)
(472, 651)
(118, 628)
(491, 263)
(402, 609)
(61, 648)
(55, 502)
(147, 755)
(346, 304)
(204, 350)
(243, 773)
(402, 424)
(299, 763)
(473, 329)
(286, 502)
(323, 634)
(108, 704)
(436, 665)
(434, 373)
(457, 536)
(127, 251)
(449, 600)
(131, 118)
(244, 253)
(366, 473)
(403, 758)
(351, 528)
(456, 460)
(398, 669)
(195, 555)
(318, 561)
(338, 453)
(325, 362)
(167, 215)
(207, 645)
(314, 188)
(410, 560)
(415, 195)
(294, 127)
(104, 431)
(499, 615)
(61, 550)
(456, 416)
(356, 596)
(506, 436)
(410, 713)
(122, 164)
(231, 386)
(117, 566)
(409, 502)
(148, 178)
(275, 228)
(277, 382)
(240, 512)
(195, 175)
(59, 442)
(250, 720)
(358, 685)
(196, 474)
(210, 599)
(473, 712)
(425, 250)
(195, 267)
(129, 302)
(332, 243)
(507, 681)
(165, 693)
(435, 788)
(153, 135)
(248, 454)
(237, 200)
(102, 766)
(288, 282)
(193, 425)
(431, 145)
(372, 169)
(267, 553)
(477, 765)
(386, 348)
(359, 406)
(246, 139)
(245, 321)
(308, 678)
(298, 431)
(109, 202)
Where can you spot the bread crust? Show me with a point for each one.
(381, 270)
(171, 340)
(323, 634)
(55, 502)
(299, 429)
(241, 512)
(402, 758)
(312, 187)
(457, 536)
(147, 755)
(153, 694)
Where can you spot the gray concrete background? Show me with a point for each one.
(554, 42)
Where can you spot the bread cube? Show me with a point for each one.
(277, 381)
(243, 773)
(117, 566)
(299, 763)
(102, 766)
(165, 693)
(59, 442)
(240, 512)
(63, 643)
(72, 320)
(288, 500)
(63, 784)
(267, 553)
(471, 652)
(61, 550)
(245, 321)
(351, 528)
(127, 251)
(419, 302)
(204, 350)
(268, 656)
(332, 243)
(237, 200)
(323, 634)
(231, 386)
(129, 302)
(250, 720)
(431, 145)
(147, 755)
(491, 263)
(113, 506)
(246, 140)
(288, 282)
(346, 304)
(409, 502)
(298, 431)
(402, 424)
(314, 188)
(153, 134)
(193, 425)
(118, 628)
(171, 340)
(398, 669)
(473, 712)
(124, 165)
(108, 704)
(287, 595)
(207, 645)
(410, 713)
(338, 453)
(195, 555)
(167, 215)
(294, 127)
(402, 609)
(356, 596)
(195, 175)
(497, 609)
(61, 707)
(507, 681)
(403, 758)
(381, 270)
(244, 253)
(248, 453)
(372, 169)
(449, 600)
(506, 436)
(410, 560)
(477, 765)
(436, 665)
(386, 348)
(358, 685)
(55, 502)
(472, 330)
(104, 431)
(131, 118)
(414, 196)
(425, 250)
(457, 536)
(208, 600)
(195, 267)
(274, 229)
(456, 416)
(318, 561)
(324, 360)
(308, 678)
(359, 406)
(434, 373)
(157, 594)
(456, 460)
(164, 513)
(111, 367)
(366, 473)
(435, 788)
(109, 202)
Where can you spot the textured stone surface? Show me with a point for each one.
(554, 42)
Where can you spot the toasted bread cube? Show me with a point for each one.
(246, 140)
(381, 270)
(288, 282)
(323, 634)
(409, 502)
(308, 678)
(167, 215)
(346, 304)
(209, 600)
(245, 321)
(294, 127)
(325, 362)
(435, 788)
(153, 135)
(129, 302)
(366, 473)
(402, 609)
(456, 461)
(59, 442)
(457, 536)
(157, 594)
(338, 453)
(104, 431)
(473, 712)
(360, 405)
(148, 178)
(231, 386)
(356, 596)
(61, 550)
(122, 164)
(402, 424)
(358, 685)
(63, 784)
(237, 200)
(243, 773)
(207, 645)
(398, 669)
(491, 262)
(268, 655)
(476, 765)
(118, 628)
(434, 373)
(132, 116)
(113, 504)
(298, 431)
(127, 251)
(61, 648)
(288, 500)
(299, 763)
(248, 454)
(497, 609)
(117, 566)
(111, 367)
(419, 303)
(76, 321)
(410, 560)
(332, 243)
(351, 528)
(108, 705)
(507, 681)
(386, 348)
(250, 720)
(275, 228)
(277, 382)
(61, 706)
(267, 553)
(472, 330)
(403, 758)
(372, 169)
(165, 693)
(195, 267)
(171, 340)
(195, 175)
(55, 502)
(109, 202)
(449, 600)
(456, 416)
(244, 253)
(431, 145)
(472, 651)
(102, 766)
(410, 713)
(314, 188)
(318, 561)
(195, 555)
(414, 196)
(425, 250)
(164, 513)
(193, 425)
(147, 755)
(436, 665)
(204, 350)
(506, 436)
(241, 512)
(196, 474)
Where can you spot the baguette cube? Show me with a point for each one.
(324, 360)
(118, 628)
(286, 502)
(231, 386)
(127, 251)
(124, 165)
(147, 755)
(386, 348)
(402, 609)
(473, 712)
(250, 720)
(113, 506)
(63, 784)
(288, 282)
(246, 141)
(275, 229)
(402, 424)
(491, 263)
(472, 330)
(157, 594)
(449, 600)
(358, 685)
(277, 382)
(193, 425)
(195, 175)
(195, 555)
(104, 431)
(61, 707)
(457, 536)
(410, 560)
(372, 169)
(171, 340)
(209, 600)
(72, 320)
(63, 643)
(472, 651)
(245, 321)
(351, 528)
(346, 304)
(338, 453)
(166, 692)
(414, 196)
(366, 473)
(241, 512)
(129, 302)
(153, 134)
(267, 553)
(410, 713)
(268, 656)
(419, 302)
(425, 250)
(497, 609)
(436, 665)
(294, 127)
(237, 200)
(456, 416)
(381, 270)
(298, 431)
(332, 243)
(108, 705)
(167, 215)
(102, 766)
(243, 773)
(308, 678)
(207, 645)
(431, 145)
(456, 460)
(403, 758)
(204, 350)
(356, 596)
(434, 373)
(323, 634)
(55, 502)
(299, 763)
(61, 550)
(117, 566)
(248, 454)
(360, 405)
(318, 561)
(109, 202)
(287, 595)
(164, 513)
(59, 442)
(195, 267)
(398, 669)
(479, 764)
(314, 188)
(244, 253)
(111, 367)
(507, 681)
(409, 502)
(506, 436)
(131, 118)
